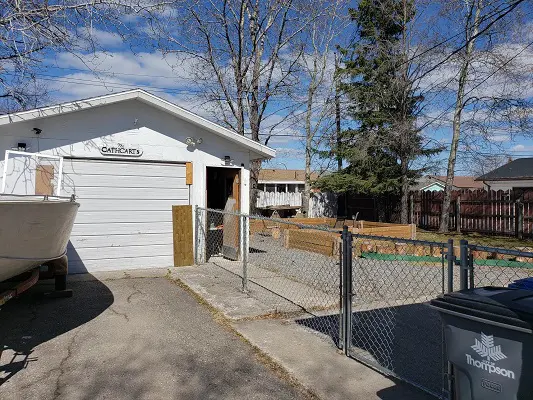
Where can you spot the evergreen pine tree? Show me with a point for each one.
(384, 141)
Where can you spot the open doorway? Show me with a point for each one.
(223, 193)
(223, 184)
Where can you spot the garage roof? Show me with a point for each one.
(521, 168)
(155, 101)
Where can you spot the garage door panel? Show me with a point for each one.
(130, 193)
(110, 264)
(113, 240)
(128, 205)
(119, 252)
(112, 217)
(74, 181)
(90, 167)
(120, 228)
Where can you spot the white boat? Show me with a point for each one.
(33, 230)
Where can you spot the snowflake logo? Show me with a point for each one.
(486, 348)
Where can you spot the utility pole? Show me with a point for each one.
(337, 114)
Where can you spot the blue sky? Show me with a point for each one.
(71, 76)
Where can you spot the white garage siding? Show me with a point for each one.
(125, 215)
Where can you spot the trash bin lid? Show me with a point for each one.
(504, 305)
(526, 283)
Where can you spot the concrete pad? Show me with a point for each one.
(316, 364)
(120, 274)
(142, 338)
(298, 293)
(283, 286)
(223, 290)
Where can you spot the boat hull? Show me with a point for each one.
(33, 232)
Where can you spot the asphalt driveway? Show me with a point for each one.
(128, 338)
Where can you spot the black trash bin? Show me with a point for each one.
(489, 341)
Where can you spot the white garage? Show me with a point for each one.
(129, 158)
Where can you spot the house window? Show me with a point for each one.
(282, 188)
(261, 186)
(301, 188)
(269, 187)
(293, 188)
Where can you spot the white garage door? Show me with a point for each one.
(125, 215)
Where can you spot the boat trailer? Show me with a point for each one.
(21, 287)
(57, 269)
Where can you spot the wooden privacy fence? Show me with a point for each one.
(484, 211)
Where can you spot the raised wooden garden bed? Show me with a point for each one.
(266, 227)
(403, 231)
(321, 242)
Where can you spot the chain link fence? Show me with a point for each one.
(393, 328)
(369, 295)
(492, 266)
(294, 268)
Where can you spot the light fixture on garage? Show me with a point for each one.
(21, 146)
(228, 160)
(190, 141)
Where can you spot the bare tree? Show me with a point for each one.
(482, 164)
(32, 29)
(478, 59)
(243, 57)
(319, 81)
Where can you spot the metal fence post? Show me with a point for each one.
(463, 275)
(347, 288)
(471, 270)
(245, 221)
(340, 343)
(449, 366)
(451, 262)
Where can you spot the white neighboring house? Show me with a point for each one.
(284, 187)
(515, 175)
(125, 158)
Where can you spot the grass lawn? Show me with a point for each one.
(474, 238)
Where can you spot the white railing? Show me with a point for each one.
(21, 173)
(321, 204)
(268, 199)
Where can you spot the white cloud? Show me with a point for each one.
(104, 38)
(521, 147)
(500, 138)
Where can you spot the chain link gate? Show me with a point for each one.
(386, 322)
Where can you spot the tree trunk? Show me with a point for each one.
(306, 195)
(459, 106)
(255, 167)
(309, 138)
(338, 116)
(253, 105)
(404, 212)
